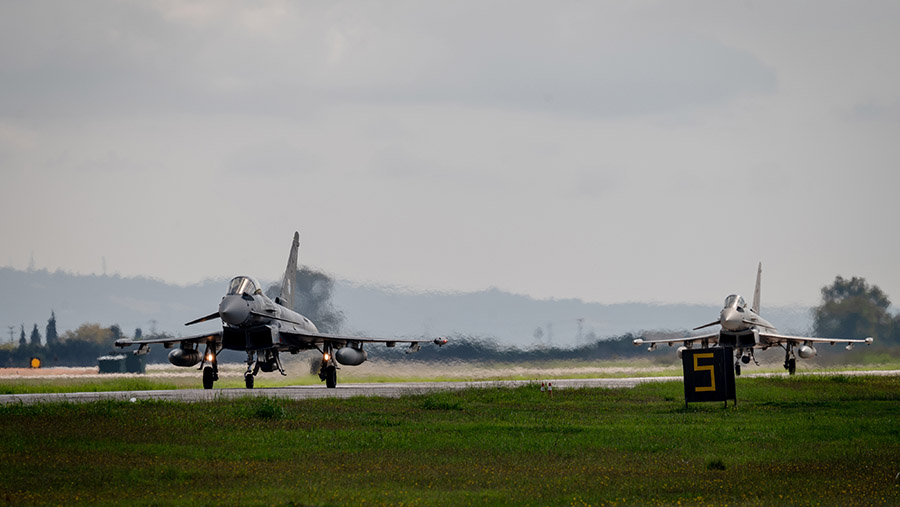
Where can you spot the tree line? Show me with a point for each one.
(79, 347)
(849, 308)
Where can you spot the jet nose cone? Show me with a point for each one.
(731, 319)
(234, 310)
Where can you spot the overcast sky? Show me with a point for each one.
(609, 151)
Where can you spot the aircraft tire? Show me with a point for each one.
(208, 377)
(331, 377)
(792, 366)
(248, 381)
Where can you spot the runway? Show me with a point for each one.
(388, 390)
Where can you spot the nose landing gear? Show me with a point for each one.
(265, 360)
(743, 356)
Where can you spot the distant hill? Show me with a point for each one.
(27, 297)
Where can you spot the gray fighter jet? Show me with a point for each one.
(745, 331)
(264, 328)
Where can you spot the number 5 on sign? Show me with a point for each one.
(708, 374)
(708, 368)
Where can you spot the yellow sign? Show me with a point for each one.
(710, 368)
(35, 362)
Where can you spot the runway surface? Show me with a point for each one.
(390, 390)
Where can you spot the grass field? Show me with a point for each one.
(798, 441)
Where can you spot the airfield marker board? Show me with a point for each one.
(708, 375)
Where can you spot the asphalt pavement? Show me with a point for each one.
(390, 390)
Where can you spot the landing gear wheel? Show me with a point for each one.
(208, 377)
(331, 377)
(792, 366)
(248, 381)
(737, 370)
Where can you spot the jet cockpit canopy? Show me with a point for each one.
(241, 285)
(735, 301)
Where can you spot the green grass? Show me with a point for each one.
(79, 385)
(806, 441)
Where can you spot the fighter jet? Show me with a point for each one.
(745, 331)
(264, 328)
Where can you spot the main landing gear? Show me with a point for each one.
(210, 375)
(265, 360)
(210, 367)
(790, 361)
(328, 370)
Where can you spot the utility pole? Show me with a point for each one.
(580, 337)
(11, 333)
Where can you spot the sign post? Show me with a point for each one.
(708, 375)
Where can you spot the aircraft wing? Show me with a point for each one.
(712, 338)
(781, 338)
(342, 340)
(199, 338)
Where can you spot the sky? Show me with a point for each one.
(609, 151)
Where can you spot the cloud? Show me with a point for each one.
(632, 75)
(283, 58)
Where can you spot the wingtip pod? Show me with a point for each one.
(122, 343)
(869, 340)
(440, 341)
(638, 342)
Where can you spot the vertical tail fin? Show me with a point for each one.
(290, 275)
(755, 306)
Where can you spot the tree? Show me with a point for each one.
(52, 336)
(115, 332)
(138, 333)
(22, 341)
(35, 336)
(91, 333)
(853, 309)
(312, 298)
